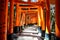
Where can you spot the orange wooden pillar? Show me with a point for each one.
(10, 31)
(34, 18)
(57, 17)
(11, 16)
(42, 21)
(17, 26)
(42, 18)
(39, 19)
(23, 19)
(26, 18)
(48, 32)
(3, 19)
(17, 15)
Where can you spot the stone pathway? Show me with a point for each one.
(30, 33)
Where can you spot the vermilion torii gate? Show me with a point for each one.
(3, 19)
(57, 17)
(41, 23)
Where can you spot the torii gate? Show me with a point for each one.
(4, 14)
(4, 36)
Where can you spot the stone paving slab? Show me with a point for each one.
(33, 34)
(27, 38)
(30, 33)
(30, 30)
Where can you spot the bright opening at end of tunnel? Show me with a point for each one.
(31, 0)
(34, 0)
(25, 0)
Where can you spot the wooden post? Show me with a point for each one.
(17, 15)
(42, 21)
(48, 32)
(11, 16)
(23, 19)
(57, 17)
(39, 19)
(3, 19)
(17, 26)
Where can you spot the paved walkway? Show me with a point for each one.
(30, 33)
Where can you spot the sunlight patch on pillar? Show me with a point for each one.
(39, 20)
(47, 30)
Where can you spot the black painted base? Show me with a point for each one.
(35, 23)
(50, 36)
(16, 29)
(57, 38)
(30, 24)
(43, 33)
(12, 37)
(24, 24)
(22, 27)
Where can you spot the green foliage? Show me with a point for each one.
(52, 17)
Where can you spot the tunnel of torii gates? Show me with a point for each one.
(36, 15)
